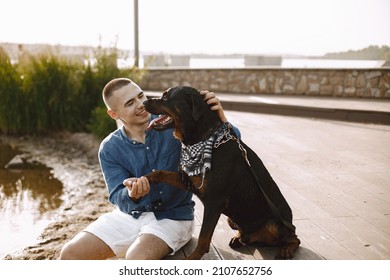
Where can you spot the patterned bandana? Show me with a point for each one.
(196, 159)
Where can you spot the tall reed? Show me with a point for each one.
(49, 93)
(11, 96)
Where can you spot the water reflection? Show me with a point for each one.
(28, 192)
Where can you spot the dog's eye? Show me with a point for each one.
(165, 95)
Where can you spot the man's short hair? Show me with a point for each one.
(112, 86)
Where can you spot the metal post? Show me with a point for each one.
(136, 50)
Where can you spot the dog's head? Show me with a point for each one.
(184, 109)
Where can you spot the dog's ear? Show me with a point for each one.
(197, 105)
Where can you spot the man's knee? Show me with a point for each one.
(148, 247)
(86, 246)
(68, 252)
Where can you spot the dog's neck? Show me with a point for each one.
(202, 129)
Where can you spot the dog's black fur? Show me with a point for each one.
(229, 187)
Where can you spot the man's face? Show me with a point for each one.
(127, 105)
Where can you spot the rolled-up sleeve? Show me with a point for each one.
(114, 175)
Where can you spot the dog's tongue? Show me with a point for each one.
(152, 122)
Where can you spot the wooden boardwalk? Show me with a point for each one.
(335, 176)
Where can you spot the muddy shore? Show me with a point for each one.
(73, 159)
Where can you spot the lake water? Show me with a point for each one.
(28, 194)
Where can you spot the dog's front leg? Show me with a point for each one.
(168, 177)
(210, 220)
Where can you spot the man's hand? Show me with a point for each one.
(137, 187)
(213, 100)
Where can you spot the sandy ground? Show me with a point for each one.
(73, 158)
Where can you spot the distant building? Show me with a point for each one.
(180, 60)
(157, 60)
(256, 60)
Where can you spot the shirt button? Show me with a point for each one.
(134, 142)
(147, 148)
(153, 170)
(161, 192)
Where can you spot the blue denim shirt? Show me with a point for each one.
(121, 158)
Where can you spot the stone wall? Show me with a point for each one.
(367, 83)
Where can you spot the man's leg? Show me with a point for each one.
(148, 247)
(86, 246)
(158, 238)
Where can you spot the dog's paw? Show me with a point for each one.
(235, 243)
(154, 177)
(285, 254)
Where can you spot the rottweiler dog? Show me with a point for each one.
(227, 176)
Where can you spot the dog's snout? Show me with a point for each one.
(151, 100)
(152, 105)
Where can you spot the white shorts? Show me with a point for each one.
(119, 230)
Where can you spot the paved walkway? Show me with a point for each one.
(334, 174)
(320, 102)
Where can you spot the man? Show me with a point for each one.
(150, 222)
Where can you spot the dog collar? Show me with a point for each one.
(196, 159)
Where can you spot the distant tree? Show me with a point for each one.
(369, 53)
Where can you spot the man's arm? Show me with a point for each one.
(114, 176)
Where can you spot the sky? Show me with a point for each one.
(301, 27)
